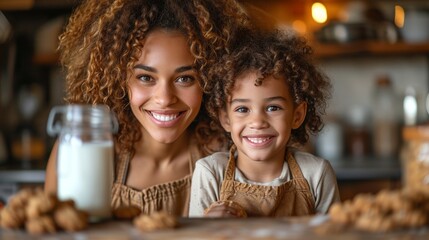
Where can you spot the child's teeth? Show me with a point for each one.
(258, 140)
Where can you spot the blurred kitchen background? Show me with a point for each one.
(375, 53)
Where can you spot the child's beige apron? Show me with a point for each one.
(292, 198)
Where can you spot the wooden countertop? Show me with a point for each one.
(199, 228)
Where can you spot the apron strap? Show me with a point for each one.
(294, 168)
(230, 169)
(123, 170)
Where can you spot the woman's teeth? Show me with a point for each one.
(164, 117)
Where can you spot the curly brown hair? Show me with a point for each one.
(103, 39)
(279, 54)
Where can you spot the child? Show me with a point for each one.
(268, 96)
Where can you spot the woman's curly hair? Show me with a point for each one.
(279, 54)
(103, 40)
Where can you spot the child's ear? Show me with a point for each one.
(224, 120)
(299, 115)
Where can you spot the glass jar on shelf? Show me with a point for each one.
(385, 116)
(415, 158)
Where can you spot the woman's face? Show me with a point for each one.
(164, 92)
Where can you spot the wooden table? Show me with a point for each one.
(223, 229)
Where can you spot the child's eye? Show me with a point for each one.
(241, 109)
(273, 108)
(185, 80)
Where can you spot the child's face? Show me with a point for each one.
(164, 92)
(260, 118)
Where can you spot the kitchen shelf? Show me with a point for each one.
(374, 48)
(321, 50)
(34, 176)
(367, 168)
(16, 173)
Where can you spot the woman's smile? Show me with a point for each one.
(165, 119)
(162, 117)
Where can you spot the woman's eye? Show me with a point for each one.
(145, 78)
(241, 109)
(187, 80)
(273, 108)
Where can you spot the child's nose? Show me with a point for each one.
(258, 120)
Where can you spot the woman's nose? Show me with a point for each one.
(165, 95)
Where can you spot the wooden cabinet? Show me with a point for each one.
(357, 62)
(35, 76)
(297, 15)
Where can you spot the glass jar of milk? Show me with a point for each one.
(85, 156)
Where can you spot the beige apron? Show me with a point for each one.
(292, 198)
(172, 197)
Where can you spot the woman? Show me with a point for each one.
(147, 61)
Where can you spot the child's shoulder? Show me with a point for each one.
(215, 160)
(306, 158)
(315, 169)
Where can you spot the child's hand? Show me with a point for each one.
(225, 209)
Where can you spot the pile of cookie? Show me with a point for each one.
(38, 213)
(385, 211)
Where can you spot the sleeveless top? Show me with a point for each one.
(172, 197)
(293, 198)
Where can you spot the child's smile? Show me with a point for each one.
(259, 140)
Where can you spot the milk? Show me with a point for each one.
(85, 174)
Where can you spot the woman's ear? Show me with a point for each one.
(224, 120)
(299, 115)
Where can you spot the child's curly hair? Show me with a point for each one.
(104, 38)
(279, 54)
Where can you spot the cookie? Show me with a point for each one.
(155, 221)
(126, 212)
